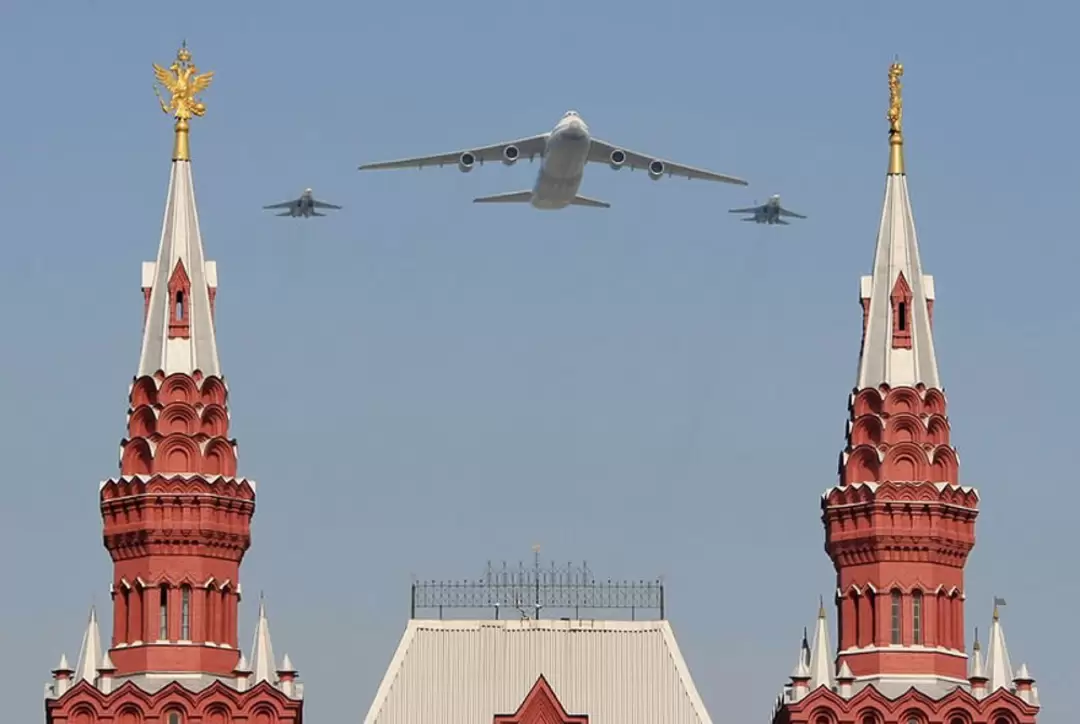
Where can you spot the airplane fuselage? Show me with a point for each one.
(768, 213)
(563, 165)
(303, 206)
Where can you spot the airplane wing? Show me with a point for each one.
(600, 152)
(751, 210)
(529, 148)
(323, 205)
(791, 214)
(282, 205)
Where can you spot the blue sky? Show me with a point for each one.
(420, 384)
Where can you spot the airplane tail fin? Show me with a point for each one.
(284, 213)
(524, 197)
(513, 197)
(586, 201)
(750, 219)
(316, 213)
(782, 222)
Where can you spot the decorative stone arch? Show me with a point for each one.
(937, 430)
(178, 388)
(867, 430)
(863, 466)
(822, 715)
(178, 418)
(215, 421)
(216, 713)
(1002, 716)
(83, 712)
(869, 715)
(946, 466)
(142, 422)
(213, 391)
(866, 402)
(905, 427)
(176, 454)
(914, 715)
(934, 402)
(263, 713)
(219, 458)
(905, 462)
(144, 391)
(129, 713)
(903, 400)
(136, 458)
(958, 716)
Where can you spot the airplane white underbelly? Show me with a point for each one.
(561, 172)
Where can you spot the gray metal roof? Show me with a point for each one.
(464, 672)
(897, 253)
(180, 242)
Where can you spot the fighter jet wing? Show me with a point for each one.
(282, 205)
(323, 205)
(600, 152)
(791, 214)
(751, 210)
(526, 147)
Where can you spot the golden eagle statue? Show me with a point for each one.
(183, 83)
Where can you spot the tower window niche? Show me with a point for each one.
(174, 717)
(163, 606)
(901, 313)
(185, 613)
(895, 619)
(179, 312)
(916, 618)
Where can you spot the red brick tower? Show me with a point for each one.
(177, 521)
(898, 525)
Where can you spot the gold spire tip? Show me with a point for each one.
(183, 83)
(821, 607)
(896, 117)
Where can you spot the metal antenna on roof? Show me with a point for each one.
(536, 580)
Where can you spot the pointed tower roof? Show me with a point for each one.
(263, 665)
(898, 342)
(999, 671)
(976, 670)
(90, 651)
(179, 328)
(63, 667)
(821, 661)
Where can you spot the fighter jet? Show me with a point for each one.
(564, 152)
(769, 212)
(304, 206)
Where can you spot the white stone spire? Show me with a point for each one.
(999, 671)
(897, 298)
(976, 670)
(179, 330)
(263, 665)
(821, 660)
(90, 652)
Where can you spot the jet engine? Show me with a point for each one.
(511, 155)
(656, 170)
(466, 162)
(618, 158)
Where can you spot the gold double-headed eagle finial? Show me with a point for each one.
(183, 82)
(896, 118)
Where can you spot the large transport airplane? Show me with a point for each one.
(564, 151)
